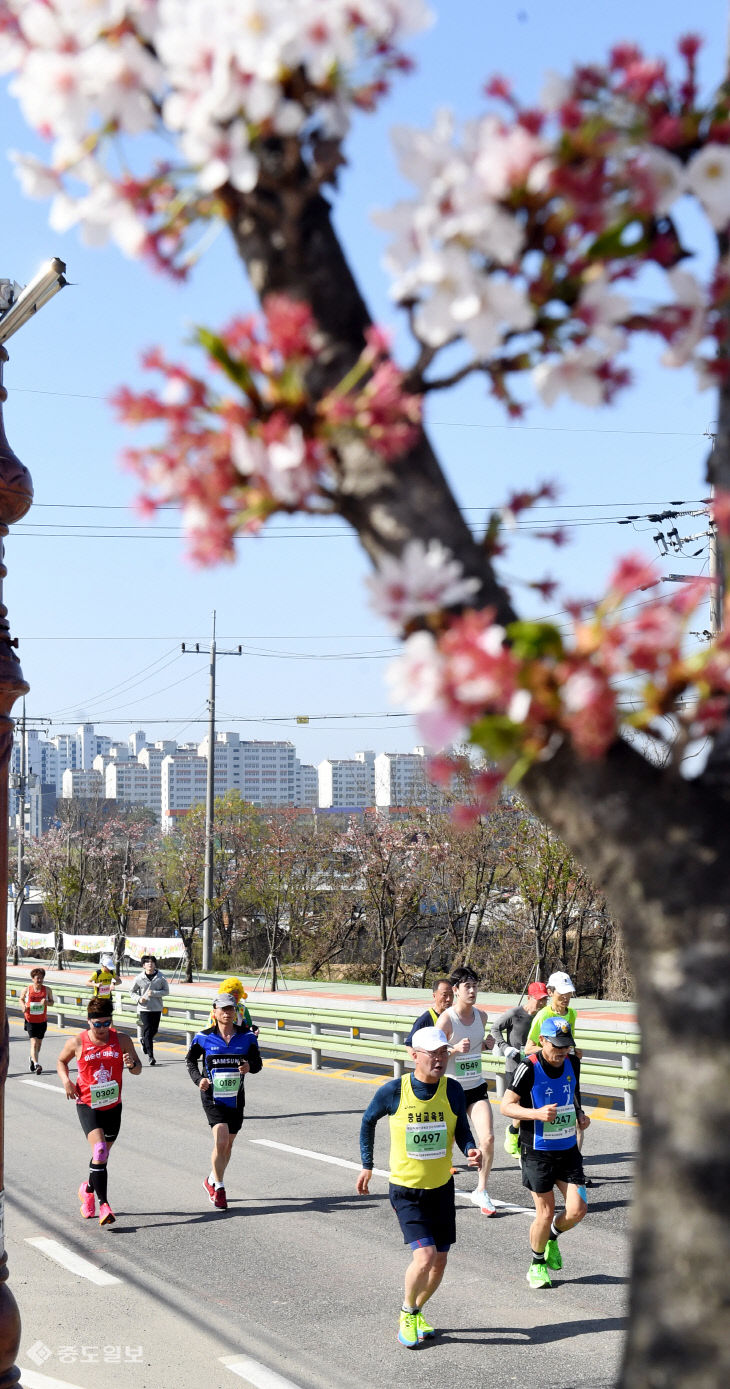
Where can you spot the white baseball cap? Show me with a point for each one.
(561, 982)
(428, 1039)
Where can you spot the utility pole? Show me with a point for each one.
(717, 594)
(207, 961)
(20, 911)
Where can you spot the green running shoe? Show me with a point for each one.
(511, 1143)
(538, 1276)
(423, 1327)
(408, 1329)
(553, 1257)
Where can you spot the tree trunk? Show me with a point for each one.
(383, 974)
(657, 845)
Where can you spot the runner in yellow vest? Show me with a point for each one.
(427, 1112)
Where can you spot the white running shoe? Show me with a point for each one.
(483, 1200)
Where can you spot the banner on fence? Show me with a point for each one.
(89, 945)
(38, 940)
(162, 947)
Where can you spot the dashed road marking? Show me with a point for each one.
(255, 1373)
(42, 1085)
(32, 1380)
(73, 1262)
(377, 1171)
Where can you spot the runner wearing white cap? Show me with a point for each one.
(561, 993)
(427, 1112)
(228, 1052)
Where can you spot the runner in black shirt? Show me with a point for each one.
(543, 1098)
(510, 1034)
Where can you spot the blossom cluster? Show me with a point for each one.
(221, 76)
(231, 460)
(518, 690)
(523, 225)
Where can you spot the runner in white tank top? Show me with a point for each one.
(464, 1027)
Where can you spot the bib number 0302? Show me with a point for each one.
(103, 1095)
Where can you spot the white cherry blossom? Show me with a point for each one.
(708, 177)
(422, 579)
(574, 374)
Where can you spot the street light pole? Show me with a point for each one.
(16, 495)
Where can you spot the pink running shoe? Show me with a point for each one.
(210, 1190)
(219, 1200)
(88, 1202)
(106, 1214)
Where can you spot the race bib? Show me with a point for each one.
(226, 1084)
(103, 1095)
(467, 1066)
(426, 1141)
(563, 1125)
(103, 990)
(35, 1008)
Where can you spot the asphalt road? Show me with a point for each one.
(299, 1284)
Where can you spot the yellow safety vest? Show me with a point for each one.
(421, 1138)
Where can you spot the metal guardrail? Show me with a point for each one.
(367, 1034)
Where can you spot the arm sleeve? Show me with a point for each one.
(192, 1061)
(164, 986)
(498, 1032)
(253, 1055)
(134, 988)
(463, 1134)
(384, 1101)
(423, 1021)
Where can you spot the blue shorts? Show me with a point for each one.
(427, 1216)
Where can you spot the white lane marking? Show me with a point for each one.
(42, 1085)
(73, 1262)
(377, 1171)
(255, 1373)
(32, 1380)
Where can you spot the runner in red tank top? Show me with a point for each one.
(101, 1054)
(35, 1000)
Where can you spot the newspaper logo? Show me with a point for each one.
(39, 1353)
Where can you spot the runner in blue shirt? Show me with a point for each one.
(228, 1053)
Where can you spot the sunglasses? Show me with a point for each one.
(100, 1022)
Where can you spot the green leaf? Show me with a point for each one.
(611, 244)
(235, 370)
(498, 735)
(530, 640)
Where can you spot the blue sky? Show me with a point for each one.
(101, 603)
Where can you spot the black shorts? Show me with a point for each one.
(35, 1029)
(540, 1171)
(480, 1092)
(107, 1119)
(222, 1113)
(426, 1216)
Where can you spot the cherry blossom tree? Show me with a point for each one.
(538, 244)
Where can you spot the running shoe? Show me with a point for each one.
(553, 1257)
(424, 1329)
(210, 1190)
(31, 1066)
(511, 1143)
(152, 1061)
(88, 1202)
(538, 1276)
(408, 1329)
(106, 1214)
(483, 1200)
(38, 1069)
(219, 1199)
